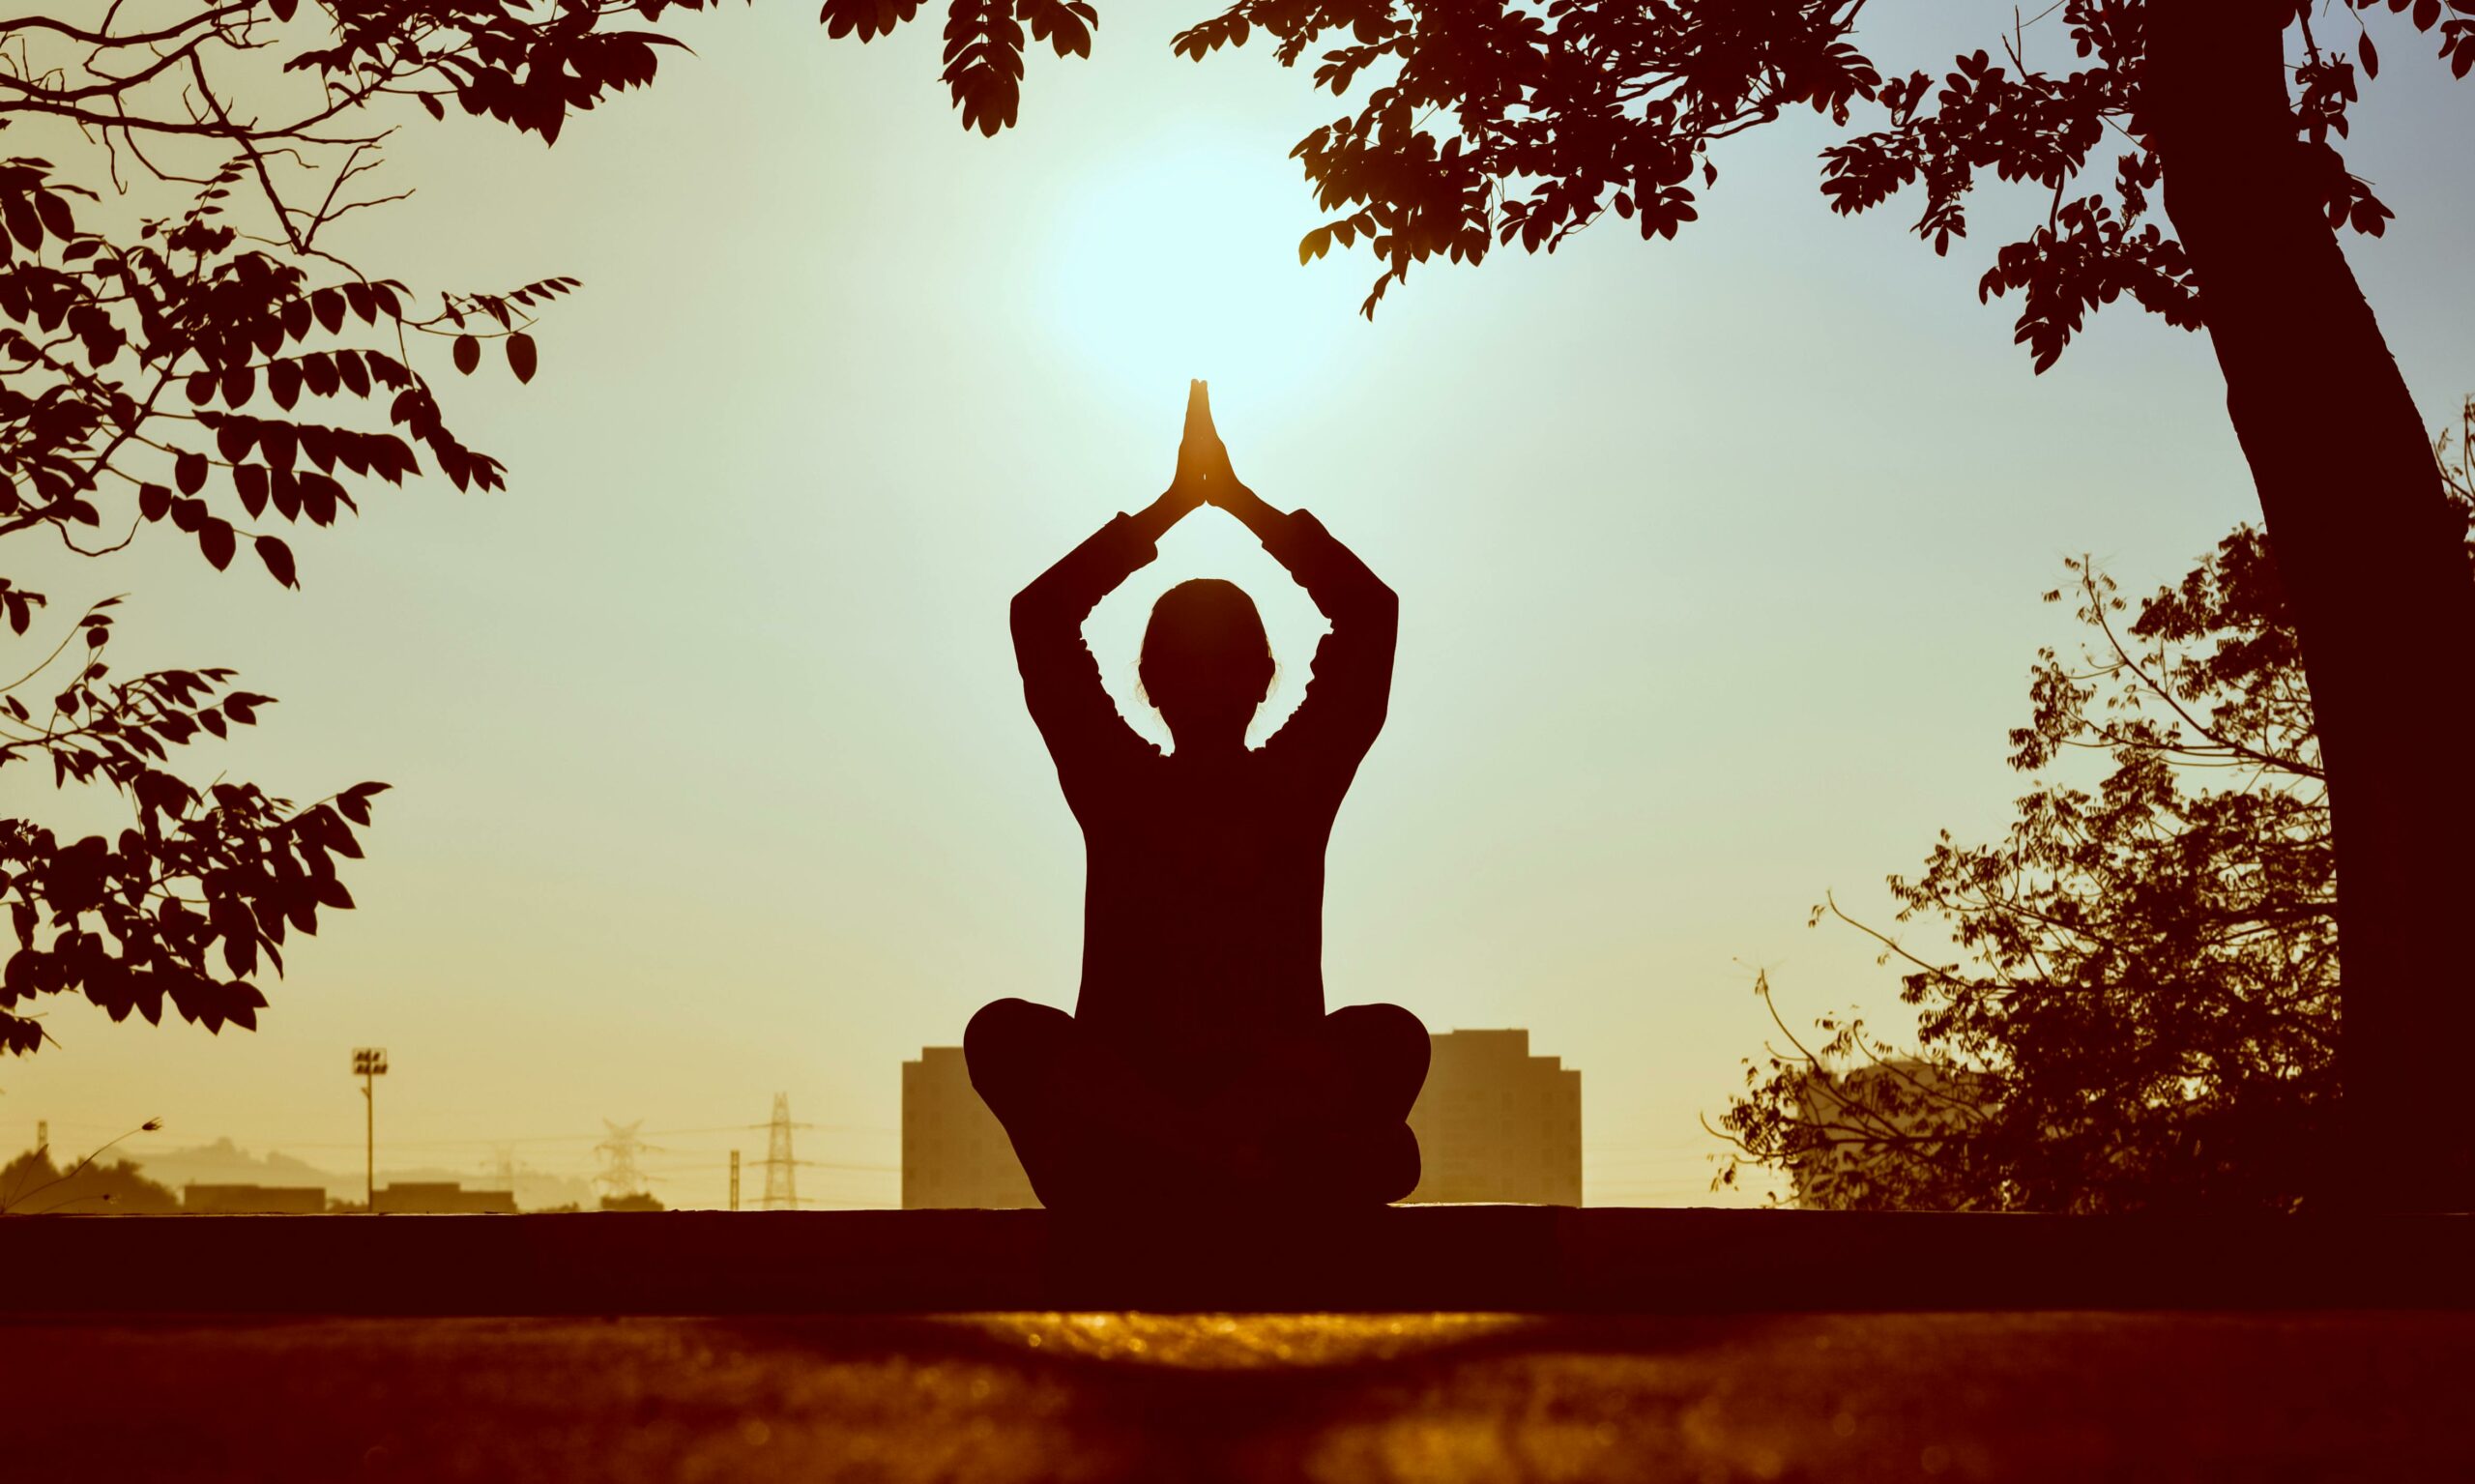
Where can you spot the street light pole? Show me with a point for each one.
(369, 1062)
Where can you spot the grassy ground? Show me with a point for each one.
(1431, 1398)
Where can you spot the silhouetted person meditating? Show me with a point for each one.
(1200, 1068)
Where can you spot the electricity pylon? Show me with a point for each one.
(620, 1176)
(781, 1174)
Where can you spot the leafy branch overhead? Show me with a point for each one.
(180, 349)
(192, 901)
(1484, 126)
(984, 44)
(227, 308)
(199, 359)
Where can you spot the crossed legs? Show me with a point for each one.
(1319, 1117)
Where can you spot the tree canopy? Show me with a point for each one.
(183, 355)
(2145, 1008)
(1486, 126)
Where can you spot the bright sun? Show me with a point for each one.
(1180, 260)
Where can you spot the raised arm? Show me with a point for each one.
(1351, 689)
(1352, 684)
(1060, 680)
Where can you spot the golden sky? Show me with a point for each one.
(1719, 564)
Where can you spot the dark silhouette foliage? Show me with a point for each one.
(214, 373)
(2146, 1010)
(1488, 126)
(184, 354)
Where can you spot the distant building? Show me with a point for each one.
(1495, 1124)
(955, 1153)
(253, 1200)
(442, 1198)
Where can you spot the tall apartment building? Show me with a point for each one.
(955, 1153)
(1493, 1123)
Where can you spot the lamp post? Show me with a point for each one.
(368, 1064)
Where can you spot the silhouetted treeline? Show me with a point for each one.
(32, 1184)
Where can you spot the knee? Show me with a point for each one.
(1397, 1167)
(1372, 1166)
(1388, 1050)
(1007, 1037)
(1387, 1036)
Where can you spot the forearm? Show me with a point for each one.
(1251, 509)
(1153, 520)
(1343, 586)
(1350, 683)
(1060, 681)
(1051, 609)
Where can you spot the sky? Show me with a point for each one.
(1719, 562)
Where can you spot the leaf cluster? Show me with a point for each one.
(216, 371)
(212, 372)
(186, 904)
(1485, 125)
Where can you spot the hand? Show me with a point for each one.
(1204, 474)
(1220, 483)
(1206, 453)
(1199, 454)
(1186, 490)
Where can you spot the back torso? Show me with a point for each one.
(1203, 903)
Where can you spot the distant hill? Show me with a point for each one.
(225, 1163)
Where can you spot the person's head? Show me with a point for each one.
(1207, 663)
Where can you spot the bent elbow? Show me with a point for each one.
(1024, 615)
(1383, 604)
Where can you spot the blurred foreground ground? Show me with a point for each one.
(1427, 1397)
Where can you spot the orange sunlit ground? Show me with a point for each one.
(1431, 1397)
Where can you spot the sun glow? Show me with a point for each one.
(1180, 260)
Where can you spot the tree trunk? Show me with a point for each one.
(2375, 570)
